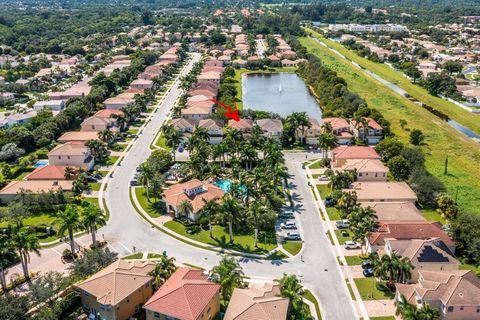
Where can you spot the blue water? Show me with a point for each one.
(40, 163)
(225, 185)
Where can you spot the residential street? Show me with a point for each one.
(127, 231)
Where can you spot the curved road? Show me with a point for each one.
(126, 229)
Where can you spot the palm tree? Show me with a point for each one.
(346, 203)
(229, 212)
(209, 211)
(145, 176)
(174, 137)
(299, 120)
(106, 136)
(326, 142)
(91, 219)
(70, 173)
(426, 312)
(185, 207)
(164, 268)
(362, 221)
(259, 214)
(7, 255)
(121, 119)
(229, 275)
(403, 308)
(25, 241)
(248, 155)
(290, 287)
(393, 268)
(69, 220)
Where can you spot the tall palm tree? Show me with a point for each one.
(174, 137)
(230, 209)
(298, 121)
(122, 120)
(185, 207)
(69, 220)
(259, 215)
(426, 312)
(106, 136)
(7, 255)
(92, 218)
(25, 241)
(327, 141)
(229, 275)
(290, 287)
(164, 268)
(70, 173)
(209, 211)
(145, 176)
(248, 155)
(346, 203)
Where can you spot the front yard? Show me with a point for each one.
(151, 207)
(241, 242)
(371, 289)
(292, 247)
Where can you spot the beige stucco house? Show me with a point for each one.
(72, 154)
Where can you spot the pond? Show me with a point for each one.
(282, 93)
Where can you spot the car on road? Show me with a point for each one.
(323, 178)
(368, 272)
(133, 183)
(292, 236)
(285, 214)
(366, 264)
(288, 225)
(351, 245)
(342, 224)
(329, 202)
(92, 179)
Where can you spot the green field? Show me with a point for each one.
(343, 235)
(441, 139)
(324, 190)
(241, 71)
(243, 243)
(433, 215)
(148, 206)
(453, 111)
(333, 214)
(161, 142)
(354, 260)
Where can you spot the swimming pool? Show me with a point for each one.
(225, 185)
(40, 163)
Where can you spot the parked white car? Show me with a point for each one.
(323, 178)
(342, 224)
(292, 236)
(351, 245)
(288, 225)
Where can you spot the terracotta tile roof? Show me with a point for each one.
(184, 295)
(257, 303)
(374, 191)
(242, 125)
(47, 173)
(210, 124)
(363, 165)
(177, 193)
(36, 186)
(134, 91)
(337, 123)
(118, 281)
(354, 152)
(196, 110)
(202, 103)
(423, 251)
(81, 136)
(371, 123)
(404, 230)
(107, 113)
(270, 125)
(210, 93)
(198, 97)
(141, 82)
(209, 75)
(395, 211)
(70, 149)
(182, 124)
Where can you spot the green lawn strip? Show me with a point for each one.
(154, 256)
(453, 111)
(132, 131)
(277, 255)
(353, 260)
(137, 255)
(343, 235)
(316, 165)
(476, 269)
(113, 159)
(333, 213)
(350, 290)
(324, 190)
(433, 215)
(242, 243)
(148, 206)
(120, 147)
(310, 297)
(241, 71)
(440, 140)
(161, 142)
(95, 186)
(292, 247)
(330, 237)
(371, 289)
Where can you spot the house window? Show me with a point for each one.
(450, 309)
(68, 157)
(156, 315)
(147, 285)
(461, 307)
(59, 157)
(128, 300)
(359, 174)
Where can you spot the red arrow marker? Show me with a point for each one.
(231, 113)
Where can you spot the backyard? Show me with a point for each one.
(440, 140)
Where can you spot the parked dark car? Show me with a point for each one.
(329, 202)
(366, 264)
(368, 272)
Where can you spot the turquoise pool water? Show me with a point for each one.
(40, 163)
(225, 185)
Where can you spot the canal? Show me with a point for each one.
(281, 93)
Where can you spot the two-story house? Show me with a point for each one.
(340, 128)
(272, 128)
(214, 128)
(310, 134)
(372, 133)
(72, 154)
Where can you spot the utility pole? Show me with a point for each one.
(446, 165)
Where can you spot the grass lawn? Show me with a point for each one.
(470, 267)
(220, 238)
(120, 147)
(148, 206)
(316, 165)
(333, 213)
(112, 159)
(324, 190)
(93, 201)
(42, 219)
(433, 215)
(354, 260)
(343, 235)
(293, 247)
(137, 255)
(349, 286)
(154, 256)
(277, 255)
(441, 139)
(310, 297)
(453, 111)
(95, 186)
(371, 289)
(132, 131)
(241, 71)
(161, 142)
